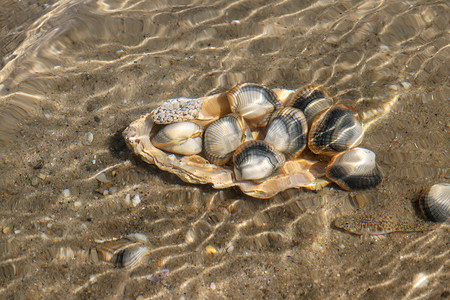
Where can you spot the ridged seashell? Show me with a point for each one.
(223, 136)
(256, 160)
(435, 202)
(287, 131)
(254, 102)
(335, 130)
(311, 100)
(181, 138)
(125, 252)
(355, 169)
(202, 111)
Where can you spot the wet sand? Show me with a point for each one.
(79, 73)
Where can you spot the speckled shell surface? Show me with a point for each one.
(197, 170)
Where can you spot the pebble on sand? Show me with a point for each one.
(66, 193)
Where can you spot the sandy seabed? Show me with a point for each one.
(74, 74)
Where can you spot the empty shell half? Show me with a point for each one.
(256, 160)
(181, 138)
(435, 202)
(335, 130)
(311, 100)
(288, 131)
(254, 102)
(223, 136)
(355, 169)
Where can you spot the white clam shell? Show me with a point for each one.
(181, 138)
(355, 169)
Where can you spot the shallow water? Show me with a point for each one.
(74, 74)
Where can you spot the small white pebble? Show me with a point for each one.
(66, 193)
(212, 285)
(105, 192)
(136, 200)
(87, 139)
(127, 199)
(77, 203)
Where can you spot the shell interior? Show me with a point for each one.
(355, 169)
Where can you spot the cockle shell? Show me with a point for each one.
(335, 130)
(287, 131)
(127, 252)
(181, 138)
(223, 136)
(434, 202)
(254, 102)
(256, 160)
(195, 169)
(355, 169)
(311, 100)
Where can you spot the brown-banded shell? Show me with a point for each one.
(434, 202)
(335, 130)
(181, 138)
(355, 169)
(195, 169)
(127, 252)
(311, 100)
(256, 160)
(223, 136)
(254, 102)
(287, 131)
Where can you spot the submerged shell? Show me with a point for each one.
(287, 131)
(201, 110)
(335, 130)
(181, 138)
(435, 202)
(254, 102)
(355, 169)
(125, 252)
(311, 100)
(256, 160)
(223, 136)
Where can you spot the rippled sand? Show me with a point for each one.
(74, 74)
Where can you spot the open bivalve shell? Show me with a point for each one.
(196, 169)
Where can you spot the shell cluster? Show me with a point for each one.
(262, 140)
